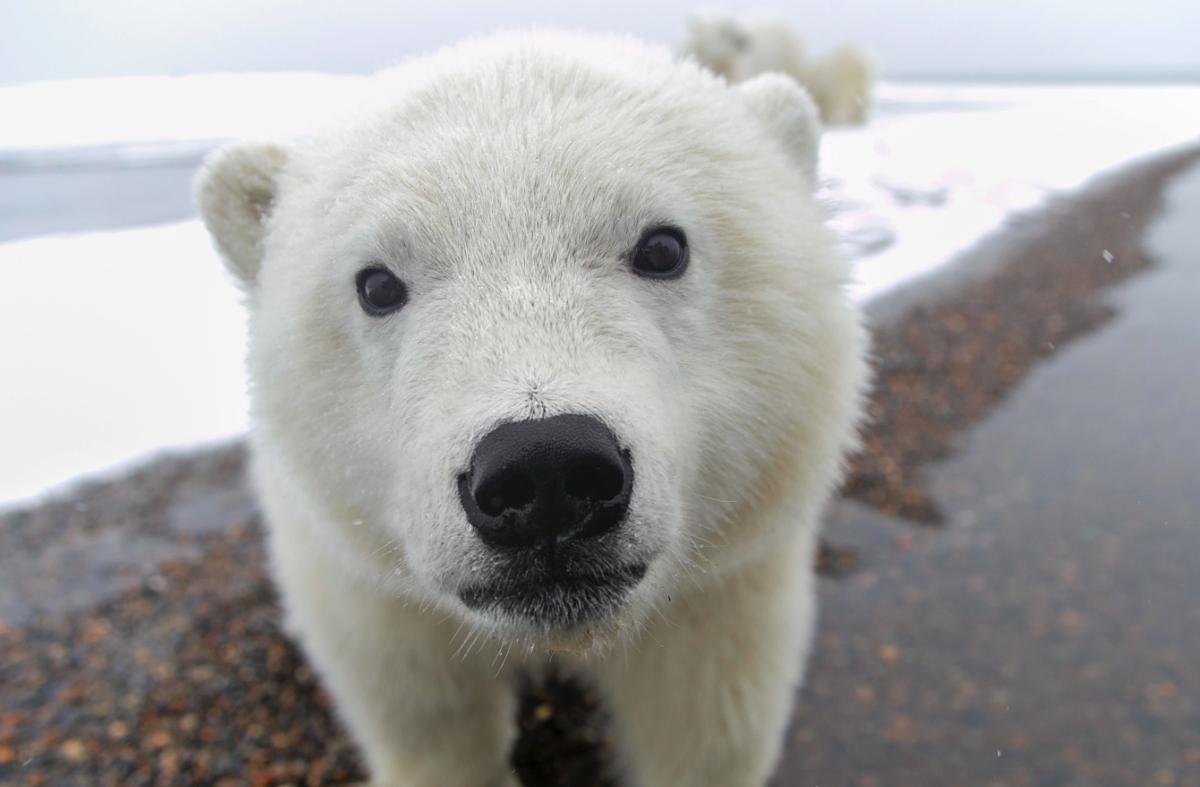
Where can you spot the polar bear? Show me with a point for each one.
(739, 49)
(551, 356)
(841, 82)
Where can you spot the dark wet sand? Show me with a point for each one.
(1017, 548)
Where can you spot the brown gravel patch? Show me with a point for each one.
(177, 672)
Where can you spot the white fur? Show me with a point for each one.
(841, 82)
(506, 181)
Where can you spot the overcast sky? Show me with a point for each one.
(55, 39)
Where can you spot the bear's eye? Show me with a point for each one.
(379, 291)
(661, 254)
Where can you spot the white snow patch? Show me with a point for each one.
(117, 344)
(141, 111)
(942, 166)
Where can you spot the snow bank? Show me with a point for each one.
(142, 112)
(115, 344)
(940, 167)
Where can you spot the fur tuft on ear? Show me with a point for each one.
(234, 191)
(790, 116)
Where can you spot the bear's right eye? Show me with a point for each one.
(379, 291)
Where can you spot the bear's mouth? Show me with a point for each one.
(553, 600)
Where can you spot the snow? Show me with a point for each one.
(115, 344)
(145, 111)
(939, 167)
(121, 343)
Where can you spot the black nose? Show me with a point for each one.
(546, 481)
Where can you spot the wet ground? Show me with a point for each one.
(1049, 632)
(1013, 584)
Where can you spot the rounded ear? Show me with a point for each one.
(790, 116)
(235, 190)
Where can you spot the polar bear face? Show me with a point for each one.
(547, 335)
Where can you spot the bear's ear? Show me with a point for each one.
(235, 191)
(790, 116)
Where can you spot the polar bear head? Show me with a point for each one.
(548, 333)
(717, 41)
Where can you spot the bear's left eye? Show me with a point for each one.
(661, 254)
(379, 291)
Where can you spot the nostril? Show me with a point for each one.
(510, 493)
(590, 481)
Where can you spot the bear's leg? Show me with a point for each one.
(424, 715)
(705, 694)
